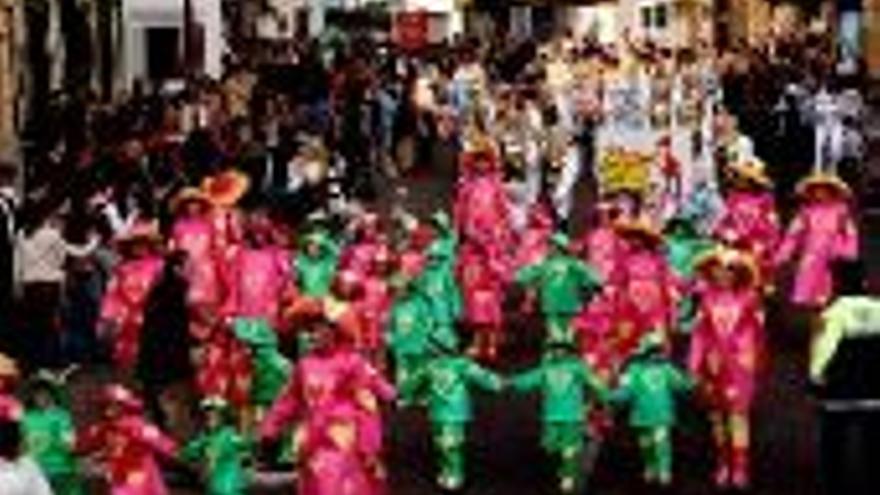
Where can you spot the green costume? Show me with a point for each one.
(561, 281)
(315, 274)
(437, 281)
(49, 437)
(222, 451)
(648, 385)
(563, 379)
(270, 368)
(684, 246)
(409, 326)
(447, 379)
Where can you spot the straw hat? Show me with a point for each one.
(730, 259)
(807, 187)
(188, 195)
(226, 188)
(640, 229)
(752, 170)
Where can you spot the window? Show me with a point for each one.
(660, 16)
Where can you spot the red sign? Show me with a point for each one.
(411, 30)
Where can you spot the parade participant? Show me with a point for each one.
(270, 369)
(19, 474)
(534, 241)
(684, 246)
(49, 434)
(258, 278)
(669, 168)
(482, 286)
(316, 264)
(724, 356)
(482, 209)
(220, 450)
(127, 445)
(749, 220)
(824, 231)
(368, 241)
(563, 378)
(124, 301)
(561, 281)
(645, 288)
(648, 385)
(446, 379)
(409, 327)
(437, 282)
(193, 234)
(412, 257)
(375, 304)
(330, 377)
(601, 245)
(224, 190)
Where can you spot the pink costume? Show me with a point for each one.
(481, 280)
(227, 231)
(749, 221)
(602, 246)
(535, 240)
(123, 305)
(323, 383)
(258, 279)
(725, 347)
(127, 446)
(482, 211)
(824, 232)
(373, 306)
(222, 367)
(644, 284)
(331, 461)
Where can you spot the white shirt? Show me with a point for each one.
(22, 477)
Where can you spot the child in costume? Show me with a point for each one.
(645, 289)
(127, 445)
(824, 232)
(409, 326)
(684, 246)
(482, 209)
(561, 281)
(648, 385)
(446, 379)
(368, 242)
(316, 264)
(724, 355)
(221, 451)
(50, 436)
(437, 281)
(534, 241)
(749, 220)
(482, 285)
(122, 308)
(224, 190)
(563, 378)
(600, 246)
(375, 304)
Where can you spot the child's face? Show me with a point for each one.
(43, 400)
(724, 277)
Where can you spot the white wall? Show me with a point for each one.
(140, 15)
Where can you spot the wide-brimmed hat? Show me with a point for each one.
(640, 230)
(752, 170)
(189, 195)
(730, 259)
(122, 397)
(226, 188)
(807, 187)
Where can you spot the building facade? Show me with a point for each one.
(10, 46)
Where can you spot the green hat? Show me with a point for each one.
(650, 342)
(255, 333)
(214, 403)
(441, 220)
(560, 240)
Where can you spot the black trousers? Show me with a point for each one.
(39, 333)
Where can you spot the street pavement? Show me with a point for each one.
(504, 457)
